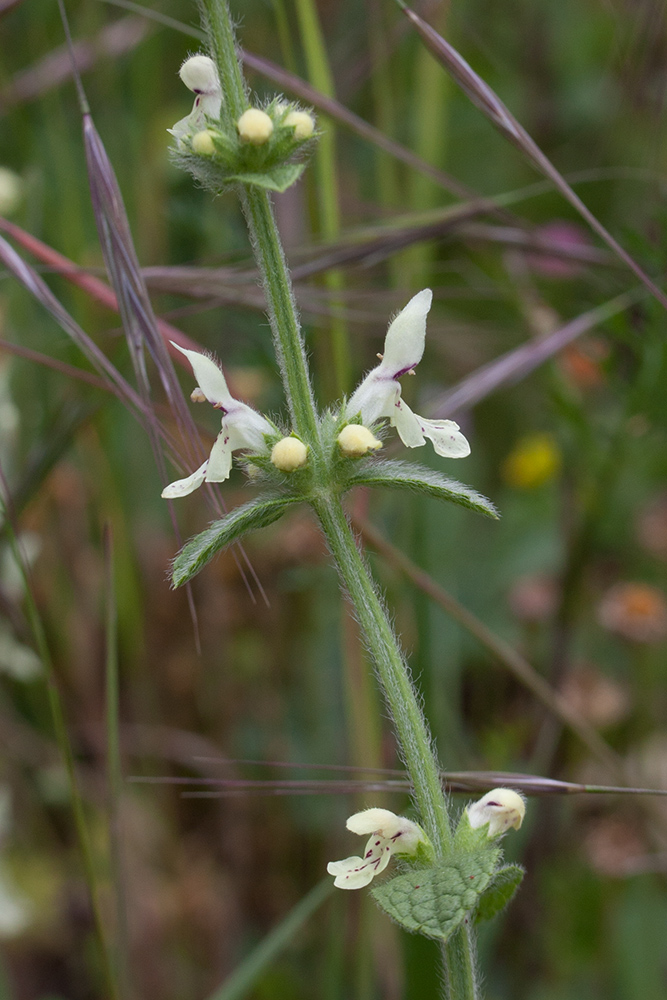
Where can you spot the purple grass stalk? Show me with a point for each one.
(488, 102)
(520, 362)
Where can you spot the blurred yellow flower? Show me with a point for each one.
(534, 460)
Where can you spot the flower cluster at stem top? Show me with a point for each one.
(378, 396)
(259, 149)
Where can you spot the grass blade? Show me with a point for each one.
(501, 650)
(97, 289)
(517, 364)
(121, 950)
(276, 941)
(63, 741)
(488, 102)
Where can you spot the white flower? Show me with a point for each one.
(500, 808)
(379, 395)
(242, 427)
(199, 74)
(390, 834)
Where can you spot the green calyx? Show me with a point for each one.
(326, 471)
(271, 156)
(434, 899)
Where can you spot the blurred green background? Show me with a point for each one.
(574, 456)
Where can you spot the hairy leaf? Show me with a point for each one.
(504, 884)
(199, 550)
(434, 901)
(275, 179)
(419, 479)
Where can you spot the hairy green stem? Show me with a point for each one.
(459, 962)
(282, 312)
(392, 669)
(413, 735)
(220, 31)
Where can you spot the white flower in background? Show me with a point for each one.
(501, 808)
(199, 74)
(379, 395)
(11, 191)
(242, 427)
(390, 834)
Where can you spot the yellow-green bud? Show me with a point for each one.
(289, 454)
(355, 440)
(302, 123)
(202, 143)
(255, 126)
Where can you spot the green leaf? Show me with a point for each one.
(275, 179)
(434, 901)
(505, 883)
(405, 475)
(199, 550)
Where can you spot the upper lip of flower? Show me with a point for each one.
(379, 393)
(242, 427)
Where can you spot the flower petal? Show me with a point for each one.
(209, 377)
(210, 105)
(182, 487)
(404, 343)
(446, 437)
(408, 425)
(374, 821)
(352, 873)
(220, 459)
(501, 808)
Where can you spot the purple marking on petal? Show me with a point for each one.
(404, 371)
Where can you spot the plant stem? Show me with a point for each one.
(459, 962)
(282, 312)
(264, 236)
(413, 735)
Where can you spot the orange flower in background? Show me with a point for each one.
(581, 364)
(635, 611)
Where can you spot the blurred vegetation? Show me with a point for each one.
(575, 457)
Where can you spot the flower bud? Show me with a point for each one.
(500, 808)
(289, 454)
(255, 126)
(356, 440)
(202, 143)
(302, 123)
(199, 74)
